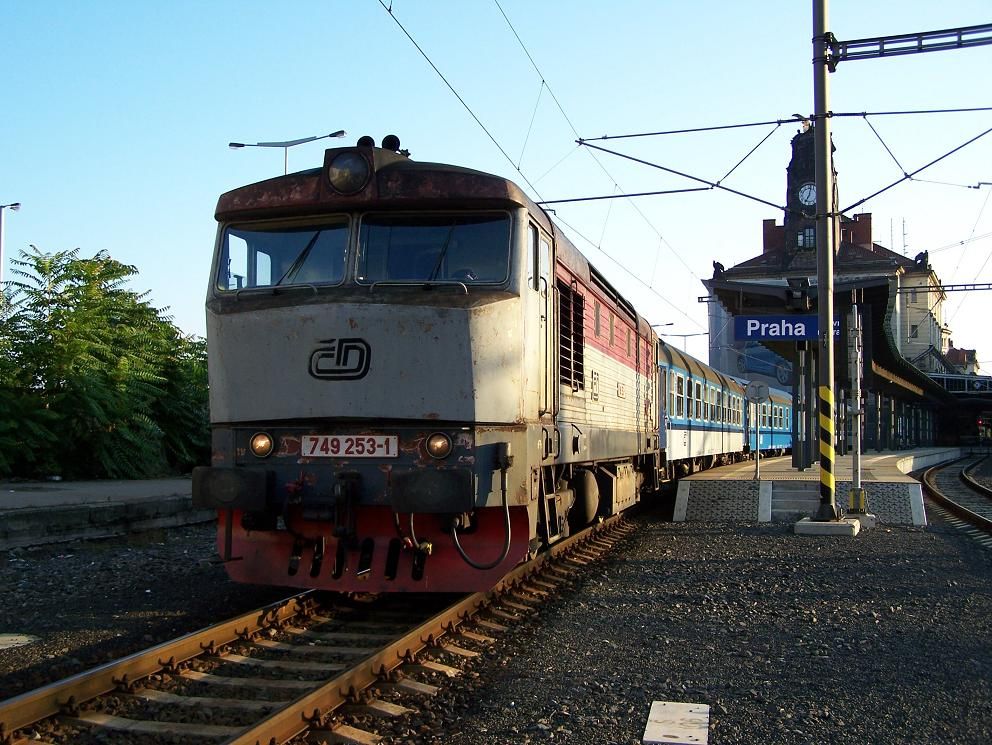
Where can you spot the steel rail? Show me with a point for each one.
(979, 521)
(311, 710)
(967, 478)
(307, 712)
(33, 706)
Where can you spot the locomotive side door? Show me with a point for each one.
(542, 282)
(549, 307)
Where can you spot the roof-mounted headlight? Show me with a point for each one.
(348, 173)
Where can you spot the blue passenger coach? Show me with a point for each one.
(769, 423)
(707, 419)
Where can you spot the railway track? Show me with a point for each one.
(303, 666)
(954, 488)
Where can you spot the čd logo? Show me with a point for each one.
(341, 359)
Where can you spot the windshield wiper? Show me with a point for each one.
(444, 252)
(301, 259)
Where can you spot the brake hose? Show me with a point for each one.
(506, 543)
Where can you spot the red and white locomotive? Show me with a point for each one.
(416, 380)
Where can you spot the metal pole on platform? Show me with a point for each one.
(824, 258)
(757, 440)
(857, 498)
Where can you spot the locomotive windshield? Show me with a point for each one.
(266, 257)
(413, 248)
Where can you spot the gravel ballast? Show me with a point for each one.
(881, 638)
(90, 602)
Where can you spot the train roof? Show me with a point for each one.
(776, 394)
(678, 358)
(391, 175)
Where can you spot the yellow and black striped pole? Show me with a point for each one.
(828, 504)
(825, 238)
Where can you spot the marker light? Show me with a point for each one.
(348, 172)
(261, 444)
(438, 445)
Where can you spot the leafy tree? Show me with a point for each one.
(100, 383)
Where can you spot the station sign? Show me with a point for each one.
(779, 328)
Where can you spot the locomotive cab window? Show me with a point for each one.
(271, 256)
(468, 248)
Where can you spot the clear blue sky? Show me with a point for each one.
(115, 119)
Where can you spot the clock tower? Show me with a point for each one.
(800, 197)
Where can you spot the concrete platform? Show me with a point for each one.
(35, 513)
(784, 494)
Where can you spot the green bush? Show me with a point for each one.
(96, 383)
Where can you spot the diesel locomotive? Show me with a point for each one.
(417, 381)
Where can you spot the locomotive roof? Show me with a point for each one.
(406, 183)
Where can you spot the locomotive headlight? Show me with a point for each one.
(348, 172)
(261, 444)
(438, 445)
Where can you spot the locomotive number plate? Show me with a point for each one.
(349, 446)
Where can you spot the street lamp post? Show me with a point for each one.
(285, 145)
(14, 206)
(683, 337)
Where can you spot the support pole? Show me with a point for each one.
(858, 501)
(825, 259)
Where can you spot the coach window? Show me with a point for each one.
(612, 321)
(699, 400)
(679, 396)
(596, 318)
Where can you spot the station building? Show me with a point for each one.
(901, 301)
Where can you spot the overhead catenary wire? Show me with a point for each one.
(960, 258)
(793, 118)
(909, 176)
(575, 132)
(623, 268)
(389, 10)
(461, 100)
(712, 185)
